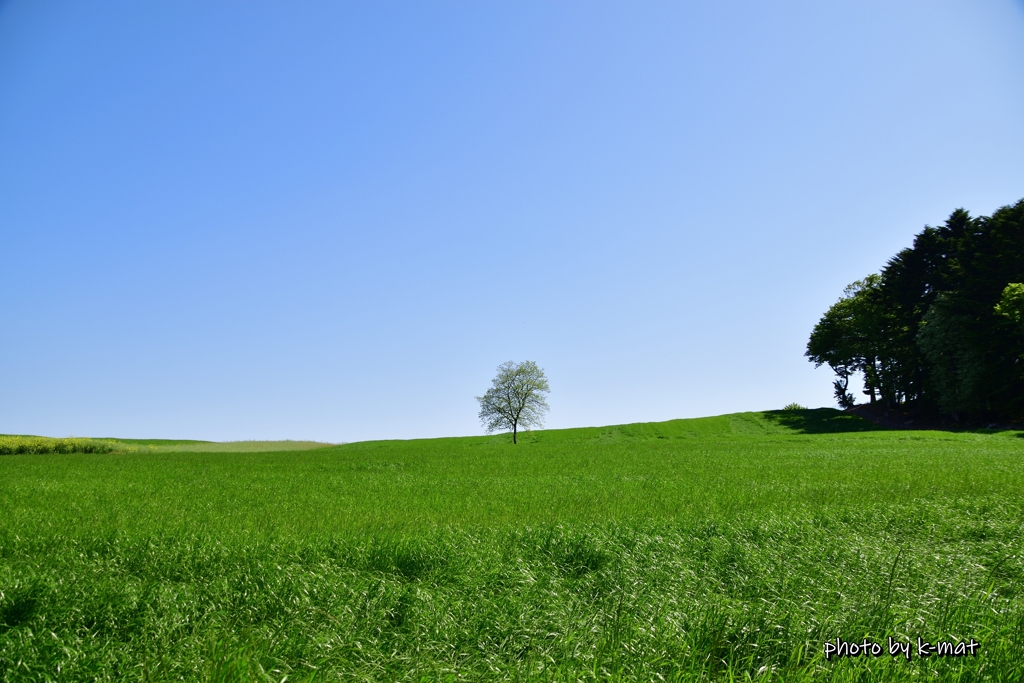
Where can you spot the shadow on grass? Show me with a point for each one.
(18, 607)
(819, 421)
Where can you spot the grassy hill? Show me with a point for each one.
(17, 444)
(730, 546)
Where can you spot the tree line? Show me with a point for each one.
(940, 330)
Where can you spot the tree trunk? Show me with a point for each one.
(870, 381)
(514, 425)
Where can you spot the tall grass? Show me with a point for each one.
(21, 445)
(729, 548)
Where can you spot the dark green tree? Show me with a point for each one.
(947, 341)
(932, 329)
(845, 339)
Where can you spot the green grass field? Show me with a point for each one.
(724, 548)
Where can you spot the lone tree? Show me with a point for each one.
(515, 399)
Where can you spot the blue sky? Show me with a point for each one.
(334, 220)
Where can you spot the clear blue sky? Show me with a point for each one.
(334, 220)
